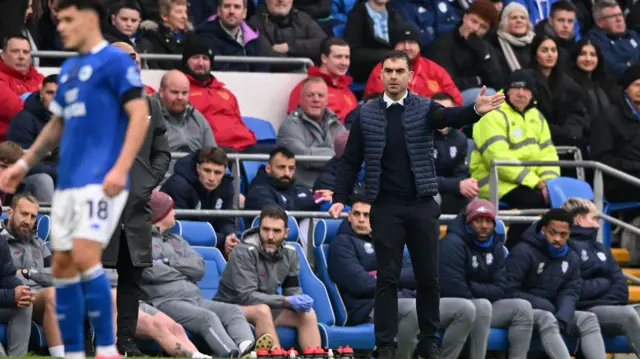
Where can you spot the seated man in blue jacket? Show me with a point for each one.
(472, 266)
(604, 288)
(542, 270)
(274, 185)
(352, 266)
(199, 182)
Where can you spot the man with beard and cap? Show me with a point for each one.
(516, 121)
(472, 266)
(262, 278)
(209, 96)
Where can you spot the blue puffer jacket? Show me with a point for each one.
(188, 193)
(617, 50)
(548, 283)
(602, 280)
(467, 269)
(450, 154)
(264, 190)
(431, 17)
(350, 259)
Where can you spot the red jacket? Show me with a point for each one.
(149, 90)
(13, 84)
(341, 99)
(220, 107)
(429, 78)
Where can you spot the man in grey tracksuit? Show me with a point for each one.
(187, 129)
(260, 265)
(170, 285)
(32, 259)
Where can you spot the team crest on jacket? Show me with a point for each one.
(565, 266)
(540, 268)
(198, 205)
(435, 154)
(602, 256)
(219, 203)
(584, 256)
(489, 258)
(453, 151)
(474, 262)
(368, 248)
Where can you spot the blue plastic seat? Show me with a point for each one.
(44, 227)
(264, 131)
(251, 169)
(294, 229)
(562, 188)
(214, 266)
(199, 233)
(177, 228)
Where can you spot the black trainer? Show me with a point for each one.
(433, 353)
(385, 353)
(128, 348)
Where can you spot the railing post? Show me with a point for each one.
(598, 195)
(236, 183)
(493, 185)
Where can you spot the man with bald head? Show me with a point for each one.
(136, 57)
(187, 129)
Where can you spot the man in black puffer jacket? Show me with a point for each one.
(544, 271)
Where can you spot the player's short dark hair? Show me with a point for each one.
(221, 2)
(125, 4)
(5, 43)
(94, 5)
(215, 155)
(398, 55)
(442, 96)
(10, 152)
(327, 42)
(558, 215)
(357, 198)
(53, 78)
(562, 5)
(276, 212)
(23, 195)
(287, 153)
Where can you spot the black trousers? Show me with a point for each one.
(415, 225)
(127, 301)
(522, 198)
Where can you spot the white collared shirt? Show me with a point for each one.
(101, 45)
(390, 102)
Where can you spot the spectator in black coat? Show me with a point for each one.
(274, 185)
(149, 8)
(199, 181)
(47, 36)
(123, 23)
(561, 26)
(228, 34)
(368, 45)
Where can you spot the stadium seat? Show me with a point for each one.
(338, 30)
(199, 233)
(44, 227)
(36, 339)
(562, 188)
(177, 228)
(609, 208)
(250, 169)
(294, 229)
(264, 131)
(214, 266)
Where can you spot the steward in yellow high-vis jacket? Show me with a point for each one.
(515, 131)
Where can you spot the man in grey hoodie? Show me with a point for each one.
(170, 285)
(187, 129)
(258, 266)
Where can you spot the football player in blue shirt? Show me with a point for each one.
(100, 120)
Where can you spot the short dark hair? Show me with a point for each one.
(125, 4)
(5, 44)
(95, 5)
(214, 155)
(327, 42)
(220, 2)
(287, 153)
(356, 198)
(398, 55)
(442, 96)
(50, 79)
(23, 195)
(276, 212)
(558, 215)
(562, 5)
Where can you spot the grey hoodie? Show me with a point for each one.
(34, 256)
(252, 275)
(188, 131)
(176, 268)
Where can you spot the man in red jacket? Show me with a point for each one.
(428, 77)
(17, 76)
(335, 56)
(209, 96)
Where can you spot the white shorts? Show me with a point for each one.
(84, 213)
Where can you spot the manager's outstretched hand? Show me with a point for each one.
(486, 104)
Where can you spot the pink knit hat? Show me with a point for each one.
(161, 205)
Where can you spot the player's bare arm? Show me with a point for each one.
(138, 112)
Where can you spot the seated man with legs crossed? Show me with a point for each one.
(170, 285)
(155, 325)
(472, 266)
(544, 271)
(258, 267)
(604, 288)
(352, 266)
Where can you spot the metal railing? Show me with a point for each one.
(577, 156)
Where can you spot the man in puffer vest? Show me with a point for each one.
(544, 271)
(604, 287)
(472, 266)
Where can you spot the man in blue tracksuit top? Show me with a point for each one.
(472, 266)
(352, 266)
(604, 288)
(394, 137)
(544, 271)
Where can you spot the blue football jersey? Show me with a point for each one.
(92, 90)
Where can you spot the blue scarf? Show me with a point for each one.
(558, 252)
(633, 109)
(485, 244)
